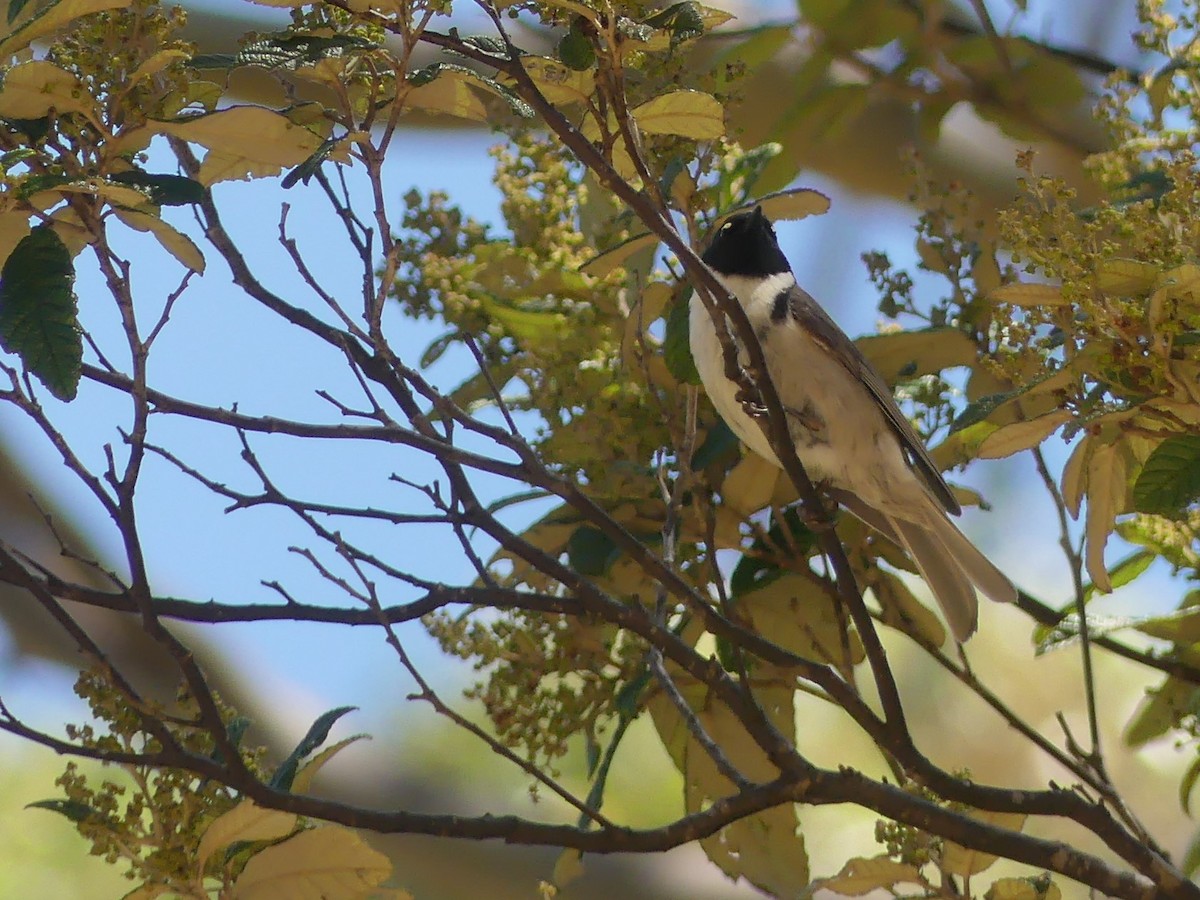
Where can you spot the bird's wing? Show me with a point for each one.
(809, 315)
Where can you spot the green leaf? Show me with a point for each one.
(317, 733)
(1170, 479)
(39, 318)
(720, 446)
(72, 809)
(677, 350)
(985, 406)
(1186, 785)
(309, 167)
(1191, 859)
(296, 51)
(683, 20)
(756, 569)
(213, 61)
(14, 9)
(575, 50)
(591, 551)
(1160, 711)
(164, 190)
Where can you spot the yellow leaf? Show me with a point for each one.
(452, 93)
(156, 63)
(609, 260)
(794, 204)
(32, 89)
(906, 354)
(14, 226)
(862, 875)
(690, 114)
(50, 19)
(328, 862)
(1022, 435)
(797, 613)
(1074, 476)
(559, 84)
(1037, 888)
(117, 194)
(146, 892)
(902, 610)
(174, 242)
(1025, 294)
(71, 230)
(1105, 491)
(567, 867)
(765, 849)
(749, 485)
(245, 822)
(958, 860)
(1125, 276)
(243, 141)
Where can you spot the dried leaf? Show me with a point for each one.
(1074, 476)
(907, 354)
(958, 860)
(32, 89)
(1106, 489)
(749, 485)
(862, 875)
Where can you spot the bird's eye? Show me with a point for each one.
(726, 226)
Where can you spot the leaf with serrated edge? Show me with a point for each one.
(1025, 294)
(51, 19)
(1106, 476)
(32, 89)
(327, 861)
(451, 93)
(862, 875)
(558, 83)
(1022, 435)
(690, 114)
(178, 244)
(245, 822)
(958, 860)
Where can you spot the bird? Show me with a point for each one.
(848, 432)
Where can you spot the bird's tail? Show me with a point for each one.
(950, 564)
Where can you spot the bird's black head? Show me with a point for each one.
(745, 244)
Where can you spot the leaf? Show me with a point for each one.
(567, 868)
(1022, 435)
(245, 822)
(1041, 386)
(164, 190)
(1074, 476)
(50, 19)
(907, 354)
(317, 733)
(243, 142)
(958, 860)
(690, 114)
(559, 83)
(1106, 488)
(32, 89)
(749, 485)
(790, 205)
(1126, 277)
(719, 447)
(798, 613)
(302, 783)
(1170, 480)
(1037, 887)
(174, 242)
(755, 569)
(296, 51)
(575, 49)
(156, 63)
(862, 875)
(614, 258)
(902, 610)
(310, 166)
(677, 350)
(328, 862)
(39, 319)
(1160, 711)
(1025, 294)
(591, 551)
(74, 810)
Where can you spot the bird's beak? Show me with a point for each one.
(758, 218)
